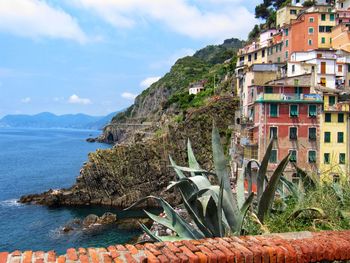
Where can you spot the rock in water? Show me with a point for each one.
(90, 220)
(107, 218)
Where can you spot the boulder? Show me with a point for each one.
(90, 220)
(107, 218)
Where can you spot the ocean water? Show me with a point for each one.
(33, 161)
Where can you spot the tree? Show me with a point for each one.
(262, 11)
(254, 33)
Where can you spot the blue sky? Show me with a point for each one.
(95, 56)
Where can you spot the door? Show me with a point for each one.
(323, 67)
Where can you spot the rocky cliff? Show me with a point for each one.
(127, 172)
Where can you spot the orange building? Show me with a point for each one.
(311, 30)
(341, 37)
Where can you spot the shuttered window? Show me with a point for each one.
(293, 133)
(273, 110)
(312, 157)
(273, 157)
(312, 134)
(340, 137)
(293, 156)
(327, 137)
(294, 111)
(342, 158)
(312, 111)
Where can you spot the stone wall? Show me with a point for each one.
(327, 246)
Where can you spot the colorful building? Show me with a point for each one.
(311, 30)
(289, 114)
(334, 135)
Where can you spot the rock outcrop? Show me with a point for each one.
(127, 172)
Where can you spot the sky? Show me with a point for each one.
(95, 56)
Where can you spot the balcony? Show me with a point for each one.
(338, 107)
(289, 97)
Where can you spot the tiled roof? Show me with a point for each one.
(289, 247)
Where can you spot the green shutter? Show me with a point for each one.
(293, 156)
(273, 110)
(312, 157)
(312, 111)
(327, 137)
(342, 158)
(340, 137)
(326, 158)
(341, 117)
(331, 17)
(331, 100)
(328, 117)
(312, 134)
(294, 111)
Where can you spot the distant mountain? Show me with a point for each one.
(50, 120)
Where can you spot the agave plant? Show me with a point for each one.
(214, 209)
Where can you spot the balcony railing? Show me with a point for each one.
(344, 107)
(289, 97)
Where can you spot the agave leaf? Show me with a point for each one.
(244, 210)
(191, 211)
(163, 221)
(230, 206)
(309, 183)
(179, 173)
(269, 194)
(186, 187)
(191, 170)
(182, 227)
(298, 212)
(192, 161)
(262, 170)
(149, 232)
(201, 182)
(240, 193)
(292, 188)
(219, 208)
(172, 238)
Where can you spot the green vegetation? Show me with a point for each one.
(213, 208)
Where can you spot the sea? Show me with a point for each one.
(33, 161)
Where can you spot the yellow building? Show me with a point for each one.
(286, 14)
(334, 137)
(326, 21)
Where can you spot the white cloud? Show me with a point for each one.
(35, 19)
(129, 96)
(148, 81)
(26, 100)
(181, 16)
(75, 99)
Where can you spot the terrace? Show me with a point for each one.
(291, 97)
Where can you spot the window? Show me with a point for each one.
(293, 133)
(293, 111)
(293, 156)
(293, 68)
(323, 82)
(340, 68)
(255, 56)
(336, 178)
(293, 12)
(273, 156)
(331, 100)
(311, 19)
(323, 40)
(309, 42)
(312, 134)
(286, 43)
(273, 133)
(323, 17)
(331, 17)
(326, 158)
(268, 90)
(312, 156)
(341, 158)
(249, 58)
(312, 111)
(263, 53)
(340, 137)
(311, 30)
(286, 32)
(273, 110)
(340, 117)
(327, 137)
(286, 54)
(348, 68)
(328, 117)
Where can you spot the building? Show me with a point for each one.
(341, 37)
(323, 63)
(334, 136)
(286, 14)
(311, 30)
(287, 113)
(196, 88)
